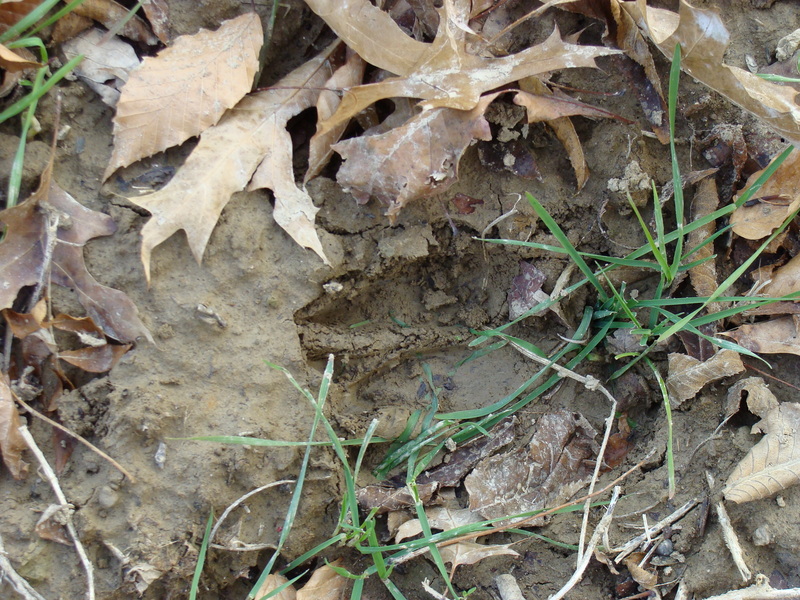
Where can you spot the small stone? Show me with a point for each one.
(665, 548)
(106, 497)
(762, 536)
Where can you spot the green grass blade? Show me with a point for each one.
(201, 558)
(677, 198)
(668, 410)
(28, 20)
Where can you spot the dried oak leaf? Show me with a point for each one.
(417, 159)
(556, 463)
(776, 336)
(687, 375)
(442, 73)
(185, 89)
(11, 442)
(250, 145)
(51, 218)
(761, 218)
(704, 39)
(773, 464)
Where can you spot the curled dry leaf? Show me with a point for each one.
(11, 442)
(757, 220)
(704, 275)
(325, 584)
(273, 582)
(13, 62)
(157, 13)
(704, 39)
(647, 579)
(386, 498)
(248, 142)
(48, 231)
(773, 464)
(556, 463)
(468, 553)
(688, 375)
(442, 73)
(438, 518)
(760, 400)
(185, 89)
(785, 280)
(13, 12)
(111, 13)
(417, 159)
(776, 336)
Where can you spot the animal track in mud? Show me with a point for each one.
(421, 291)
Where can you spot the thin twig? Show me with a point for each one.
(599, 531)
(732, 541)
(654, 530)
(7, 572)
(760, 590)
(48, 474)
(83, 441)
(236, 503)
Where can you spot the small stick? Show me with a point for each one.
(236, 503)
(654, 530)
(48, 473)
(83, 441)
(760, 590)
(732, 541)
(7, 572)
(601, 528)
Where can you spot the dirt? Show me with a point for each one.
(396, 297)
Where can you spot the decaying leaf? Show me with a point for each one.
(251, 139)
(109, 13)
(11, 442)
(468, 553)
(758, 218)
(417, 159)
(556, 463)
(13, 62)
(773, 464)
(687, 375)
(106, 66)
(526, 290)
(386, 498)
(441, 73)
(704, 39)
(776, 336)
(273, 582)
(760, 400)
(51, 524)
(157, 13)
(13, 12)
(648, 579)
(704, 275)
(325, 584)
(48, 231)
(785, 280)
(185, 89)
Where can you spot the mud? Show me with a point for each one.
(396, 296)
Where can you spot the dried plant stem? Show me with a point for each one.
(236, 503)
(599, 532)
(732, 541)
(760, 590)
(591, 384)
(51, 478)
(8, 573)
(654, 530)
(83, 441)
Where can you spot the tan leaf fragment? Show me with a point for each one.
(109, 13)
(11, 442)
(782, 197)
(468, 553)
(13, 62)
(785, 280)
(250, 139)
(417, 159)
(157, 13)
(441, 73)
(704, 275)
(773, 464)
(645, 578)
(320, 147)
(776, 336)
(438, 518)
(185, 89)
(273, 582)
(704, 39)
(48, 231)
(556, 463)
(325, 584)
(688, 375)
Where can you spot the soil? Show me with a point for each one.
(415, 289)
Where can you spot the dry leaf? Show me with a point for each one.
(110, 13)
(757, 219)
(704, 39)
(52, 524)
(438, 518)
(418, 159)
(106, 66)
(760, 400)
(386, 498)
(442, 73)
(687, 375)
(325, 584)
(773, 464)
(11, 442)
(157, 13)
(776, 336)
(468, 553)
(319, 150)
(52, 219)
(10, 61)
(273, 582)
(785, 280)
(551, 468)
(647, 579)
(185, 89)
(13, 12)
(704, 275)
(548, 107)
(225, 160)
(526, 290)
